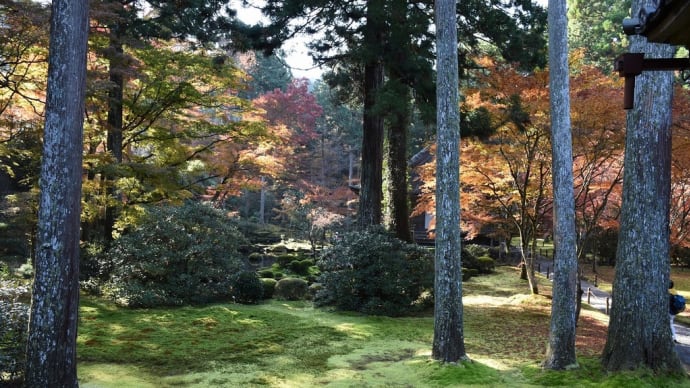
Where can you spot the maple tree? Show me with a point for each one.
(680, 178)
(23, 65)
(507, 157)
(598, 135)
(292, 117)
(516, 185)
(178, 107)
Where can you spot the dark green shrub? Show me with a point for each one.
(266, 274)
(247, 288)
(176, 255)
(92, 267)
(301, 267)
(476, 250)
(374, 273)
(14, 318)
(5, 272)
(26, 271)
(485, 264)
(255, 258)
(278, 275)
(284, 260)
(469, 273)
(269, 287)
(259, 233)
(291, 289)
(314, 288)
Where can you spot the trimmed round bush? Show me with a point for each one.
(266, 273)
(476, 250)
(374, 273)
(485, 264)
(255, 258)
(247, 288)
(284, 260)
(301, 267)
(468, 273)
(269, 287)
(314, 288)
(291, 289)
(176, 255)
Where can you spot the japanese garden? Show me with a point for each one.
(467, 193)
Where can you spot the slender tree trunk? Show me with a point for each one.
(114, 139)
(449, 340)
(51, 347)
(560, 353)
(350, 167)
(639, 334)
(262, 201)
(371, 194)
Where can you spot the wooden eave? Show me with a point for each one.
(668, 23)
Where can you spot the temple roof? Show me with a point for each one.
(667, 22)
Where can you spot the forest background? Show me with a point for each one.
(237, 129)
(172, 117)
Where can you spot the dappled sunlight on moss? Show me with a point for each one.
(354, 331)
(293, 344)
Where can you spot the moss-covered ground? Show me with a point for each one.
(292, 344)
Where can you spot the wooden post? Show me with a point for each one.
(589, 294)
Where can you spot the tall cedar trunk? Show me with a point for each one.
(639, 333)
(397, 169)
(114, 140)
(449, 341)
(51, 347)
(561, 349)
(400, 114)
(371, 194)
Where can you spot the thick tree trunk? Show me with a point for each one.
(561, 349)
(51, 347)
(371, 193)
(639, 334)
(449, 340)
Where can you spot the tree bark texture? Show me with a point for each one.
(51, 347)
(397, 169)
(639, 332)
(399, 121)
(449, 340)
(561, 348)
(371, 192)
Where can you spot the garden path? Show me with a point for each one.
(600, 300)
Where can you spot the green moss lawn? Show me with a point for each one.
(280, 344)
